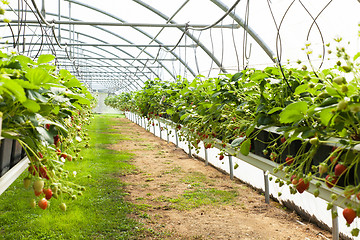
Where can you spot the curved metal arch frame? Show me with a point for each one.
(120, 49)
(192, 37)
(98, 54)
(234, 16)
(248, 29)
(139, 30)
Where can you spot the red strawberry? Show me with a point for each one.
(43, 172)
(349, 214)
(40, 155)
(221, 157)
(330, 181)
(283, 139)
(37, 193)
(43, 203)
(208, 145)
(273, 156)
(32, 169)
(339, 169)
(64, 155)
(48, 193)
(289, 160)
(56, 140)
(47, 126)
(58, 151)
(302, 186)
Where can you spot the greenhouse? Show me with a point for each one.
(202, 119)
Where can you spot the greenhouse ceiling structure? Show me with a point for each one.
(115, 46)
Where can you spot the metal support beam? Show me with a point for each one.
(140, 31)
(231, 167)
(118, 58)
(206, 156)
(99, 45)
(125, 24)
(266, 188)
(335, 225)
(106, 66)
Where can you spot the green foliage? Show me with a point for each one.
(46, 112)
(309, 110)
(102, 213)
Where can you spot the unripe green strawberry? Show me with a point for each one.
(33, 203)
(339, 80)
(323, 168)
(314, 141)
(355, 232)
(342, 105)
(316, 192)
(62, 206)
(27, 182)
(38, 185)
(346, 68)
(344, 89)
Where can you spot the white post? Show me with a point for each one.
(231, 167)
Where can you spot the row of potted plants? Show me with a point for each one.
(45, 110)
(305, 120)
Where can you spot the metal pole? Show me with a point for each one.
(267, 194)
(189, 145)
(167, 133)
(177, 138)
(231, 167)
(126, 24)
(335, 225)
(206, 156)
(159, 128)
(43, 12)
(59, 18)
(105, 45)
(70, 27)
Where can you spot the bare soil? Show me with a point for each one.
(166, 174)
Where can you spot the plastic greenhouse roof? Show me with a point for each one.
(113, 45)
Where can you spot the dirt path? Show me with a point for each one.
(183, 199)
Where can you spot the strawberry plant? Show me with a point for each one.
(316, 117)
(45, 110)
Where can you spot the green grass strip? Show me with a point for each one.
(101, 213)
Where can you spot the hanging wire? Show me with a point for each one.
(212, 52)
(278, 42)
(182, 36)
(12, 32)
(222, 47)
(20, 25)
(157, 55)
(218, 21)
(195, 55)
(52, 25)
(185, 58)
(235, 48)
(246, 56)
(321, 35)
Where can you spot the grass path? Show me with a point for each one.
(101, 213)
